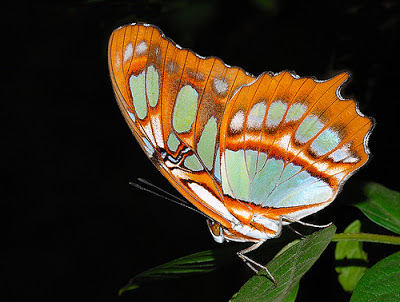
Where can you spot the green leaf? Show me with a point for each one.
(198, 263)
(293, 295)
(382, 206)
(287, 246)
(287, 268)
(351, 259)
(381, 282)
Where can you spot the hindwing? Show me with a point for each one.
(291, 142)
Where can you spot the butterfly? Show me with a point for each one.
(251, 153)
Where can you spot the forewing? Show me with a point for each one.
(173, 101)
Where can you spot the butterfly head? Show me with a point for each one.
(216, 231)
(238, 233)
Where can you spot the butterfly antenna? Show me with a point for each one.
(166, 195)
(163, 191)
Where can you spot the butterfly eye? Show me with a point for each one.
(216, 231)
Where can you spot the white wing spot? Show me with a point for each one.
(220, 86)
(351, 160)
(128, 52)
(284, 141)
(237, 121)
(141, 48)
(341, 153)
(321, 166)
(117, 61)
(158, 135)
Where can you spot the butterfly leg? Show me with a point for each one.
(280, 226)
(303, 223)
(295, 231)
(251, 263)
(281, 218)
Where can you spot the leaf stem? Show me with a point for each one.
(365, 237)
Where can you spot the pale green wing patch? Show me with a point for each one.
(137, 86)
(185, 109)
(206, 144)
(152, 86)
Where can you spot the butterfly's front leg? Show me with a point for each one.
(303, 223)
(280, 226)
(283, 217)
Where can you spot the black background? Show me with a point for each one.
(74, 227)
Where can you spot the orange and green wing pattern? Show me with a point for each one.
(243, 150)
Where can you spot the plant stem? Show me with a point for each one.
(364, 237)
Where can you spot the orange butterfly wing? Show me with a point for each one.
(171, 98)
(318, 139)
(243, 150)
